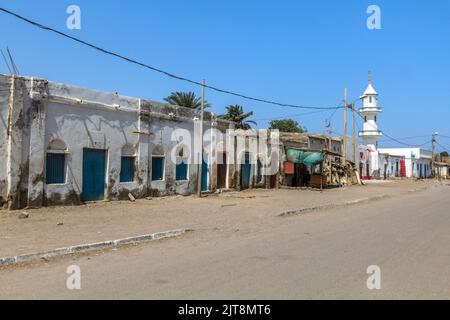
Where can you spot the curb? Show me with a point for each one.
(332, 206)
(91, 247)
(345, 204)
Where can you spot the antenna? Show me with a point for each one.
(16, 70)
(6, 61)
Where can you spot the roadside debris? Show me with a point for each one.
(229, 205)
(131, 197)
(24, 215)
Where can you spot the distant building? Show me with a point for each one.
(417, 160)
(384, 163)
(392, 166)
(369, 166)
(369, 112)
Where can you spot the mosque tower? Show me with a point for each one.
(370, 111)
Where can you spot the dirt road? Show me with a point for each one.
(320, 255)
(253, 210)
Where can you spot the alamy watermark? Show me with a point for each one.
(374, 280)
(74, 20)
(73, 282)
(254, 147)
(374, 19)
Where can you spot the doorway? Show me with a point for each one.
(246, 169)
(222, 171)
(94, 165)
(204, 175)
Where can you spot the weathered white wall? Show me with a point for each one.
(4, 101)
(79, 128)
(413, 156)
(43, 112)
(391, 164)
(47, 116)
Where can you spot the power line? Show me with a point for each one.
(388, 136)
(408, 138)
(384, 133)
(166, 73)
(332, 114)
(13, 64)
(424, 144)
(292, 115)
(6, 62)
(440, 145)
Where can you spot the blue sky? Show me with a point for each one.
(298, 52)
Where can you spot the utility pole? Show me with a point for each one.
(344, 151)
(433, 143)
(353, 135)
(200, 161)
(330, 162)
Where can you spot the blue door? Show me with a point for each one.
(246, 169)
(94, 164)
(204, 176)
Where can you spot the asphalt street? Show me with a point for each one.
(318, 255)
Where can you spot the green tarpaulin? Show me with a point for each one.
(307, 158)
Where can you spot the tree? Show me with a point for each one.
(235, 113)
(287, 125)
(186, 99)
(444, 154)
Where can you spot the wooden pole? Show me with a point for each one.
(200, 161)
(353, 135)
(344, 151)
(433, 154)
(330, 162)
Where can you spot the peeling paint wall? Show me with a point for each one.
(4, 108)
(42, 113)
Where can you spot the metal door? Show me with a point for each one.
(204, 175)
(94, 164)
(246, 169)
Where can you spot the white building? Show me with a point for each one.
(370, 111)
(369, 166)
(392, 166)
(65, 145)
(383, 163)
(417, 160)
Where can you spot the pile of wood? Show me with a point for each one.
(338, 174)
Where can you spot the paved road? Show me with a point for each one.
(319, 255)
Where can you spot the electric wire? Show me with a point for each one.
(166, 73)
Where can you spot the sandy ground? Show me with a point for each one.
(246, 212)
(255, 255)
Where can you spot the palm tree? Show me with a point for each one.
(235, 113)
(186, 99)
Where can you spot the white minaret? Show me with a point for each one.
(369, 112)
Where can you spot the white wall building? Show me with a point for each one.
(370, 111)
(63, 145)
(369, 157)
(391, 166)
(380, 163)
(417, 160)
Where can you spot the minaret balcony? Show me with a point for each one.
(370, 110)
(371, 133)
